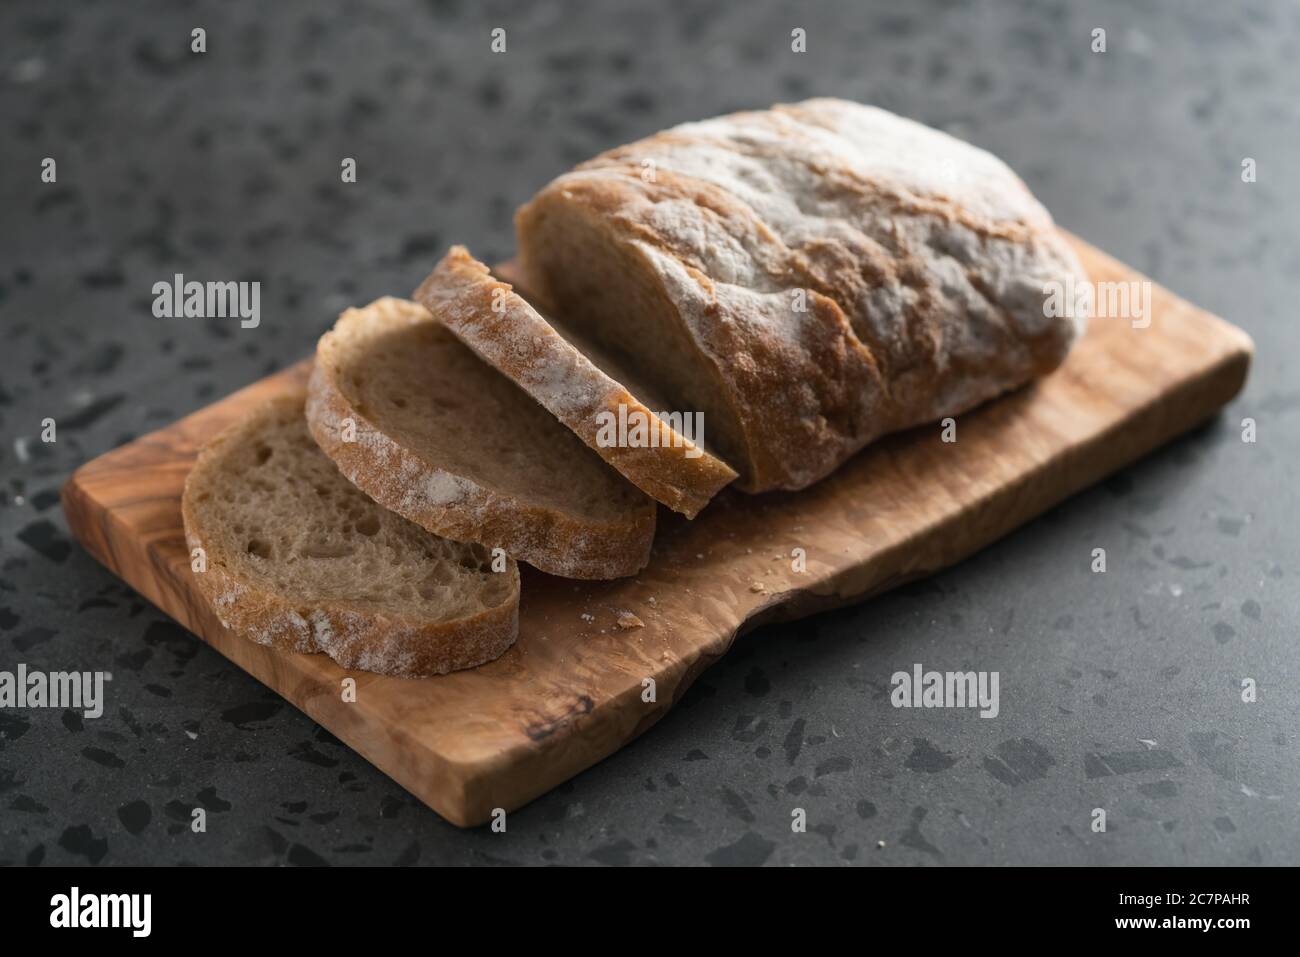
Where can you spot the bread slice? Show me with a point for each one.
(299, 559)
(448, 442)
(812, 277)
(578, 383)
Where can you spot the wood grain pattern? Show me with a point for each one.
(569, 693)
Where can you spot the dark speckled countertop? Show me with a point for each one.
(1118, 691)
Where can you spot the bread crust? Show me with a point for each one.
(922, 261)
(460, 508)
(358, 639)
(354, 635)
(503, 329)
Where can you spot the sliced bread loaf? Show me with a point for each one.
(295, 557)
(811, 277)
(579, 383)
(419, 423)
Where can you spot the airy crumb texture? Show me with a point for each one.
(297, 558)
(574, 379)
(811, 277)
(419, 423)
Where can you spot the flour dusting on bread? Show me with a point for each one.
(818, 274)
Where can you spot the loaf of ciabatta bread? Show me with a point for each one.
(295, 557)
(659, 450)
(808, 277)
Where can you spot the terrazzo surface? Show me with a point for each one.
(1120, 691)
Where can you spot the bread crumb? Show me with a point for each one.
(585, 617)
(628, 620)
(756, 587)
(651, 600)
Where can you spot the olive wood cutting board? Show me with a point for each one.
(571, 690)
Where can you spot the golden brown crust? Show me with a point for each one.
(509, 334)
(395, 476)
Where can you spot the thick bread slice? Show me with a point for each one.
(299, 559)
(811, 276)
(450, 443)
(580, 387)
